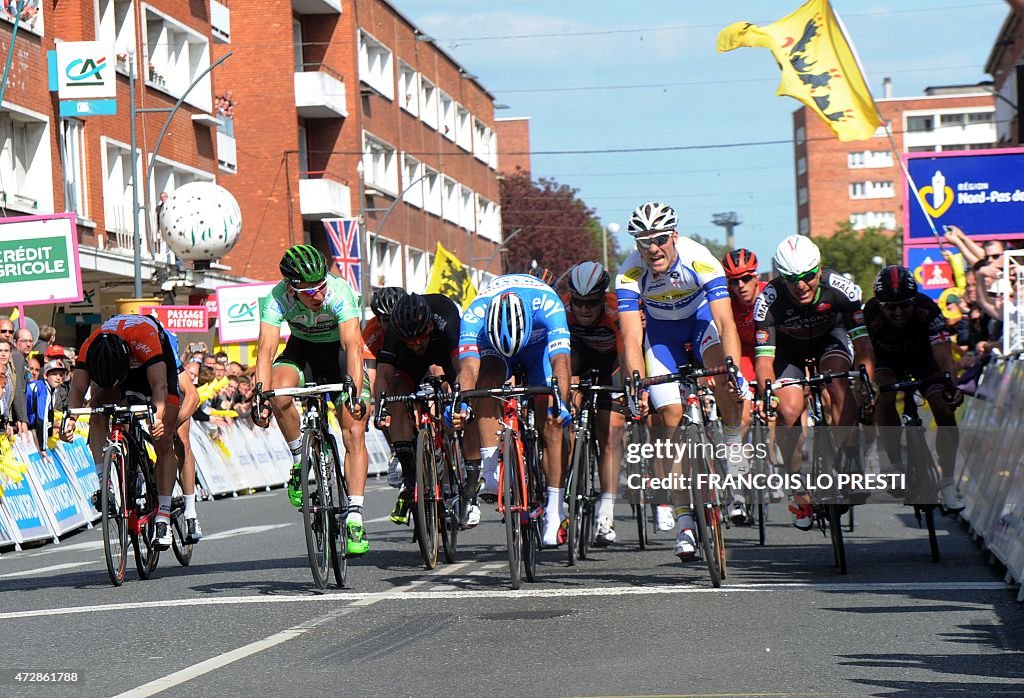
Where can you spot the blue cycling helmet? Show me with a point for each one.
(509, 324)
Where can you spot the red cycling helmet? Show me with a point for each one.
(739, 263)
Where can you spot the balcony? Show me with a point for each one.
(220, 22)
(227, 158)
(320, 93)
(317, 7)
(320, 197)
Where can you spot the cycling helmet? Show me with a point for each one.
(107, 360)
(544, 274)
(303, 264)
(652, 217)
(895, 284)
(509, 324)
(411, 317)
(796, 255)
(384, 300)
(739, 263)
(588, 277)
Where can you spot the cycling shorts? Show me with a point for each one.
(606, 364)
(790, 356)
(663, 349)
(535, 359)
(904, 366)
(319, 362)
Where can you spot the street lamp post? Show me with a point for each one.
(610, 229)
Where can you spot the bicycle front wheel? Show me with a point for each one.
(575, 491)
(450, 503)
(587, 525)
(147, 555)
(705, 511)
(339, 531)
(512, 499)
(179, 531)
(640, 469)
(115, 513)
(316, 509)
(426, 499)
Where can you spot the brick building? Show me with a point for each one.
(50, 164)
(514, 140)
(1006, 66)
(860, 181)
(357, 89)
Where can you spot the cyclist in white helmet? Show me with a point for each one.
(685, 299)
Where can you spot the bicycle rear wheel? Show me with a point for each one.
(315, 509)
(587, 502)
(705, 510)
(426, 499)
(115, 513)
(147, 555)
(179, 531)
(449, 505)
(512, 500)
(575, 491)
(835, 525)
(339, 531)
(638, 435)
(933, 540)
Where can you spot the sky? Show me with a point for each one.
(644, 79)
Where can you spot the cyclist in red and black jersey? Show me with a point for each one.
(590, 312)
(809, 313)
(910, 339)
(744, 288)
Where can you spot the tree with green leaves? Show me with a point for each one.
(851, 251)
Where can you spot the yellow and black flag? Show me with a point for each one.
(451, 277)
(818, 65)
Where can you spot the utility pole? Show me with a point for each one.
(729, 221)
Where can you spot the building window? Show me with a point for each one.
(385, 262)
(872, 219)
(176, 56)
(980, 117)
(27, 183)
(920, 123)
(428, 102)
(951, 119)
(408, 88)
(801, 135)
(376, 65)
(870, 158)
(921, 149)
(467, 214)
(412, 181)
(76, 192)
(801, 195)
(805, 226)
(872, 190)
(447, 116)
(31, 15)
(432, 191)
(488, 219)
(115, 25)
(416, 270)
(117, 194)
(463, 128)
(450, 204)
(801, 166)
(483, 143)
(380, 165)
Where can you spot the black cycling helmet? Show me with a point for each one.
(303, 264)
(412, 317)
(384, 300)
(107, 360)
(895, 284)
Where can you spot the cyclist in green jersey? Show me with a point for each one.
(322, 311)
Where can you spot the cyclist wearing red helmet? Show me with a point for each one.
(744, 287)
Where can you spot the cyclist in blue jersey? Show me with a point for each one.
(679, 287)
(516, 320)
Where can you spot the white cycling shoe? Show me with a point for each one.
(664, 519)
(951, 498)
(605, 532)
(394, 472)
(686, 542)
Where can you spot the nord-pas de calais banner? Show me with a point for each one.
(39, 260)
(981, 192)
(61, 499)
(238, 312)
(179, 318)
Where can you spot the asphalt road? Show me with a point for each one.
(245, 620)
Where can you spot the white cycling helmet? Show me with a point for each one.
(509, 324)
(588, 277)
(796, 255)
(652, 217)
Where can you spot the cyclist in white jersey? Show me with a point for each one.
(679, 288)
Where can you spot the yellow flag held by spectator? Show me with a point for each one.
(818, 65)
(450, 277)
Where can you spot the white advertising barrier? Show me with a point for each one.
(250, 461)
(24, 506)
(376, 446)
(274, 472)
(991, 464)
(211, 467)
(55, 489)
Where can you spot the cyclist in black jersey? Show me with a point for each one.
(423, 332)
(910, 339)
(809, 313)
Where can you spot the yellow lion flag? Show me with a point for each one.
(819, 66)
(451, 277)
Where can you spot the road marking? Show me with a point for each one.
(51, 568)
(405, 594)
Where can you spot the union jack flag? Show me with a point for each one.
(343, 236)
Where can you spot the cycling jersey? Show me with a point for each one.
(744, 318)
(549, 322)
(442, 346)
(780, 320)
(341, 303)
(148, 344)
(695, 277)
(926, 326)
(373, 338)
(602, 337)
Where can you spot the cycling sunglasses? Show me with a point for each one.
(311, 291)
(897, 305)
(649, 240)
(742, 280)
(587, 303)
(794, 279)
(417, 341)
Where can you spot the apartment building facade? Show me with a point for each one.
(861, 181)
(359, 114)
(51, 164)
